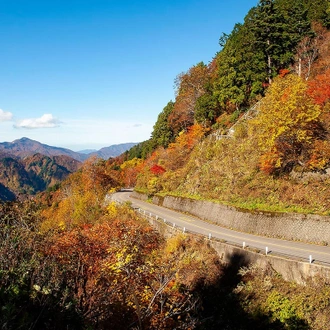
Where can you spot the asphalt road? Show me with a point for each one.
(289, 249)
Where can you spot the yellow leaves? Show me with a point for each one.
(62, 225)
(320, 155)
(112, 191)
(122, 259)
(112, 210)
(174, 243)
(285, 109)
(131, 163)
(286, 124)
(146, 294)
(153, 184)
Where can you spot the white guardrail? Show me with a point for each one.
(265, 251)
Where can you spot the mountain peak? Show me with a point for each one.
(24, 140)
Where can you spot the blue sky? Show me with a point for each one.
(88, 74)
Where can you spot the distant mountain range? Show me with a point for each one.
(28, 167)
(27, 147)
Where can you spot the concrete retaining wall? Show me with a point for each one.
(290, 226)
(291, 270)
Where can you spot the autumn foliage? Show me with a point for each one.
(157, 169)
(319, 88)
(114, 273)
(289, 128)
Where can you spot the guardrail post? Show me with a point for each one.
(266, 250)
(184, 229)
(173, 225)
(164, 220)
(243, 245)
(310, 259)
(210, 235)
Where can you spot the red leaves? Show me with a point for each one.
(319, 88)
(157, 169)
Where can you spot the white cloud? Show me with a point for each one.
(5, 116)
(45, 121)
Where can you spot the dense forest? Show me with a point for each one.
(249, 129)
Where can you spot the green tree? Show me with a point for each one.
(269, 27)
(206, 109)
(162, 134)
(318, 10)
(240, 68)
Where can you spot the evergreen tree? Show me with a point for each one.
(318, 11)
(269, 25)
(206, 109)
(162, 134)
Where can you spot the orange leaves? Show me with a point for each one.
(80, 197)
(284, 72)
(190, 138)
(270, 161)
(163, 162)
(130, 170)
(104, 265)
(190, 86)
(320, 155)
(319, 88)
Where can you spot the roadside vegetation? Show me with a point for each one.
(113, 271)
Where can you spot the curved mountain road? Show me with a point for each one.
(289, 249)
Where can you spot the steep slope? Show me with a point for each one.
(14, 176)
(46, 171)
(6, 194)
(277, 161)
(22, 177)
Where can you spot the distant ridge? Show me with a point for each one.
(24, 147)
(28, 167)
(113, 151)
(87, 151)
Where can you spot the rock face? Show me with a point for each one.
(32, 174)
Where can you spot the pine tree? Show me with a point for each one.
(268, 28)
(162, 134)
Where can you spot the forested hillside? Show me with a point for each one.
(23, 178)
(208, 144)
